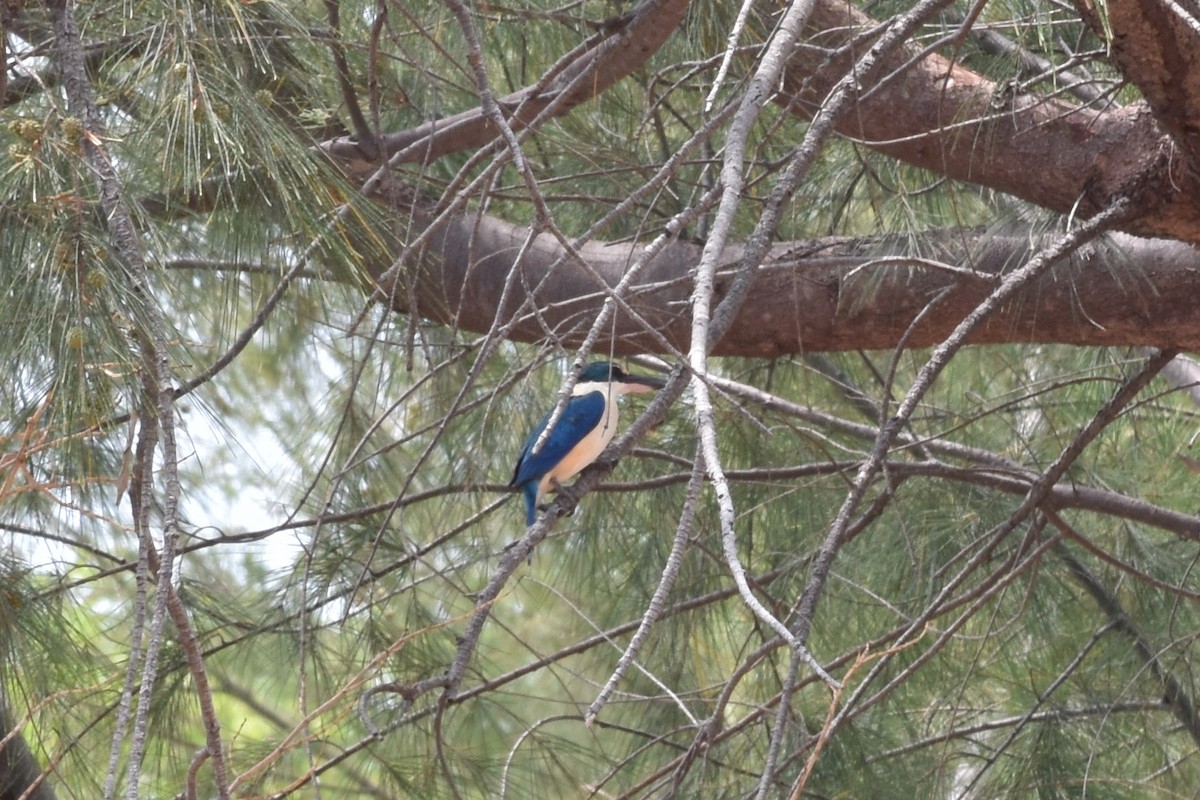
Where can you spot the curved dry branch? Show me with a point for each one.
(624, 46)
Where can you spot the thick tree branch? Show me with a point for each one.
(818, 295)
(936, 114)
(1157, 48)
(838, 294)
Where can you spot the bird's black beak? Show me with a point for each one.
(639, 384)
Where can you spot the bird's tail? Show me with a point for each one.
(531, 500)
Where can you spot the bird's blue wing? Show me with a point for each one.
(579, 417)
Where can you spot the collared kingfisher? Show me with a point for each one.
(582, 431)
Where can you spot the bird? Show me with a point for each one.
(582, 431)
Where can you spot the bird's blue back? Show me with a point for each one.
(579, 417)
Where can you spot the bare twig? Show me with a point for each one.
(826, 733)
(1175, 693)
(1037, 494)
(366, 137)
(658, 600)
(735, 33)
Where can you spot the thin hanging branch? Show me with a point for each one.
(705, 331)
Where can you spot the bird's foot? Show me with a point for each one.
(566, 493)
(607, 463)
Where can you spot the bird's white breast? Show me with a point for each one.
(590, 446)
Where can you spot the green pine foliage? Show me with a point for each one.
(342, 476)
